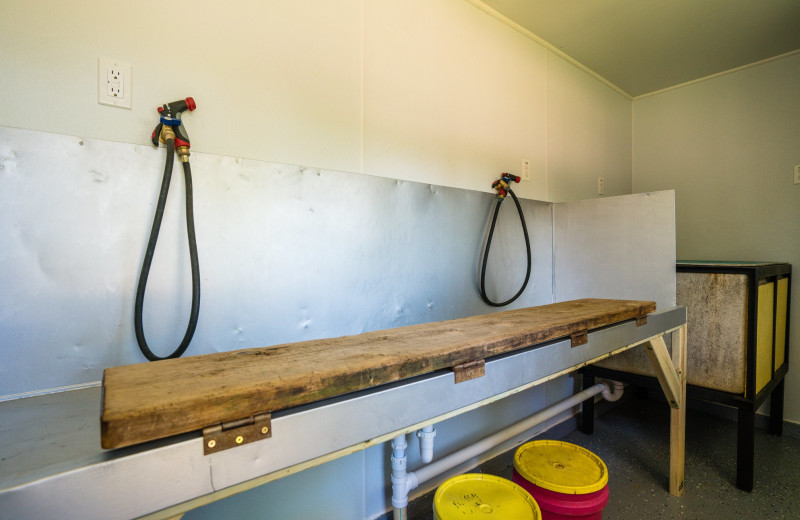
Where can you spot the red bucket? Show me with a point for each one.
(567, 481)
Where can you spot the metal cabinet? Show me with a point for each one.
(738, 346)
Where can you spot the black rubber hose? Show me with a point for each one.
(489, 245)
(148, 260)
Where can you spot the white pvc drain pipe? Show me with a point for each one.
(403, 481)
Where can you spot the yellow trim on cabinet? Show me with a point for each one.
(764, 333)
(780, 322)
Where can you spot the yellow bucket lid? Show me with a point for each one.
(484, 497)
(561, 467)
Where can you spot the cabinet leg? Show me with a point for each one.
(586, 422)
(745, 446)
(776, 410)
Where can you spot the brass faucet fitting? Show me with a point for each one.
(166, 134)
(183, 153)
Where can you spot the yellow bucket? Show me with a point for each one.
(561, 466)
(485, 497)
(567, 481)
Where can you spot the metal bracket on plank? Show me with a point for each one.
(469, 370)
(641, 320)
(580, 338)
(228, 435)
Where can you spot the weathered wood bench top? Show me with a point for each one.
(154, 400)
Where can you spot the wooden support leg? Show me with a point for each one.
(677, 430)
(775, 410)
(745, 446)
(586, 423)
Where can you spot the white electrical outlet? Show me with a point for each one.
(526, 170)
(114, 83)
(797, 173)
(601, 186)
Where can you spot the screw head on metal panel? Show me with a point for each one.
(239, 439)
(265, 430)
(212, 443)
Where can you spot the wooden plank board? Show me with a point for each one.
(154, 400)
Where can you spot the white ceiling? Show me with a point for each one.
(643, 46)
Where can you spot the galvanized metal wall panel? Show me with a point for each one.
(616, 247)
(286, 254)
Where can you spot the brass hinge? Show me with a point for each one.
(235, 433)
(580, 338)
(641, 320)
(469, 370)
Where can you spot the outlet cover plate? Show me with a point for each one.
(114, 83)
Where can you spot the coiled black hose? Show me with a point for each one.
(489, 245)
(148, 260)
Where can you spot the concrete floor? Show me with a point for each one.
(633, 440)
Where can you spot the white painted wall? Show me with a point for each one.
(451, 93)
(435, 92)
(728, 146)
(276, 80)
(588, 135)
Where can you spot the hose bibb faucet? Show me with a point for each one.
(171, 125)
(503, 184)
